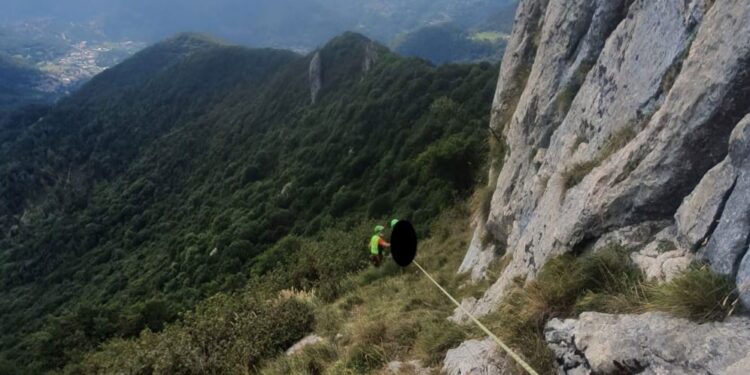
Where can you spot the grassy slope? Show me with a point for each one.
(393, 314)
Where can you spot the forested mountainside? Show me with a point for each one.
(195, 167)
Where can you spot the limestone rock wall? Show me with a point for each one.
(617, 113)
(315, 76)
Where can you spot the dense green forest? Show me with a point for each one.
(196, 168)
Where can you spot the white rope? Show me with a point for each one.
(499, 342)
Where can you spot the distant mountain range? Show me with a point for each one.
(58, 47)
(295, 24)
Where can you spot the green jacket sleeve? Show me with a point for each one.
(374, 249)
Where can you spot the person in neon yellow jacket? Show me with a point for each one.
(378, 244)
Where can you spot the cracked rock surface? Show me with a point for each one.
(476, 357)
(651, 343)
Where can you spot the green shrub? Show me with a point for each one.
(451, 159)
(225, 334)
(7, 367)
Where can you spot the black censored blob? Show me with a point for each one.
(403, 243)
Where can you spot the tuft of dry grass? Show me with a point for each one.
(563, 286)
(304, 296)
(697, 294)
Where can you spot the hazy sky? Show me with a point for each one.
(266, 22)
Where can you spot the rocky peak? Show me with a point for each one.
(316, 77)
(345, 57)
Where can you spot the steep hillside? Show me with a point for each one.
(194, 167)
(624, 125)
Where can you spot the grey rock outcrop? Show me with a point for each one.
(629, 105)
(743, 279)
(315, 76)
(478, 258)
(371, 56)
(729, 242)
(732, 234)
(560, 337)
(651, 343)
(661, 266)
(632, 236)
(700, 212)
(475, 357)
(302, 344)
(663, 259)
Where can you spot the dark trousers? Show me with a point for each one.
(376, 259)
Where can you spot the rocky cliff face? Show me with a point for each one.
(618, 114)
(624, 121)
(316, 77)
